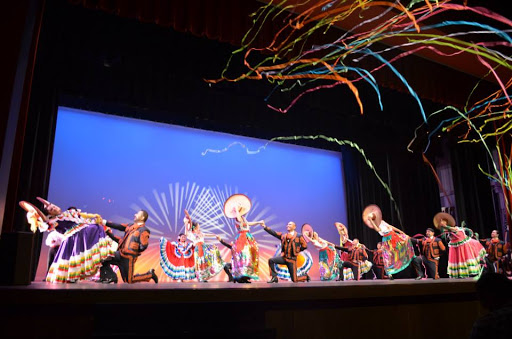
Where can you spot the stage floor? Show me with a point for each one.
(257, 310)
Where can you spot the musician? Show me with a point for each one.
(431, 249)
(292, 244)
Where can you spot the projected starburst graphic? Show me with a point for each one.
(205, 205)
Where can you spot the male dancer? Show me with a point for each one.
(228, 267)
(357, 255)
(292, 244)
(378, 262)
(496, 249)
(134, 242)
(431, 249)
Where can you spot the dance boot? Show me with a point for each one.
(273, 280)
(154, 276)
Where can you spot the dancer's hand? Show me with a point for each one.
(218, 238)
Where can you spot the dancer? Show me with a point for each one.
(496, 250)
(245, 257)
(465, 254)
(396, 245)
(357, 258)
(177, 258)
(228, 267)
(346, 272)
(134, 242)
(83, 242)
(431, 249)
(328, 258)
(207, 258)
(292, 244)
(378, 262)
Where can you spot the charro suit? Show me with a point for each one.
(431, 249)
(133, 243)
(356, 256)
(291, 246)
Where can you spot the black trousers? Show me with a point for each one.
(228, 268)
(379, 271)
(51, 256)
(430, 266)
(291, 264)
(353, 266)
(126, 265)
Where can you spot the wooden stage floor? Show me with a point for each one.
(365, 308)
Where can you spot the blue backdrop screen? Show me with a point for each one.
(115, 166)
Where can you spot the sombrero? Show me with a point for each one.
(377, 215)
(442, 215)
(234, 202)
(31, 208)
(307, 228)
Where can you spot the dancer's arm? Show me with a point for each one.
(271, 231)
(119, 227)
(223, 242)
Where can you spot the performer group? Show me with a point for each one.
(84, 246)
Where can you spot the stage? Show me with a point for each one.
(366, 308)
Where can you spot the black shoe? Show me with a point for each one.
(273, 280)
(244, 280)
(308, 279)
(419, 277)
(154, 276)
(109, 280)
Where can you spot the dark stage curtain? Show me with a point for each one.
(39, 137)
(473, 192)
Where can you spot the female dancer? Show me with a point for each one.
(397, 249)
(84, 243)
(207, 258)
(465, 254)
(177, 258)
(245, 249)
(328, 258)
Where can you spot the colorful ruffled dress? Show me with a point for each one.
(328, 260)
(84, 246)
(207, 258)
(177, 259)
(397, 249)
(465, 255)
(304, 264)
(245, 257)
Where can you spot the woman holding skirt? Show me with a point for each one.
(245, 253)
(465, 255)
(207, 258)
(397, 249)
(177, 258)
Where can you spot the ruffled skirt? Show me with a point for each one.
(80, 254)
(174, 264)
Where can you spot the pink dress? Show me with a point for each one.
(465, 255)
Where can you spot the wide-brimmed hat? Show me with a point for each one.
(31, 208)
(307, 228)
(237, 201)
(450, 221)
(377, 215)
